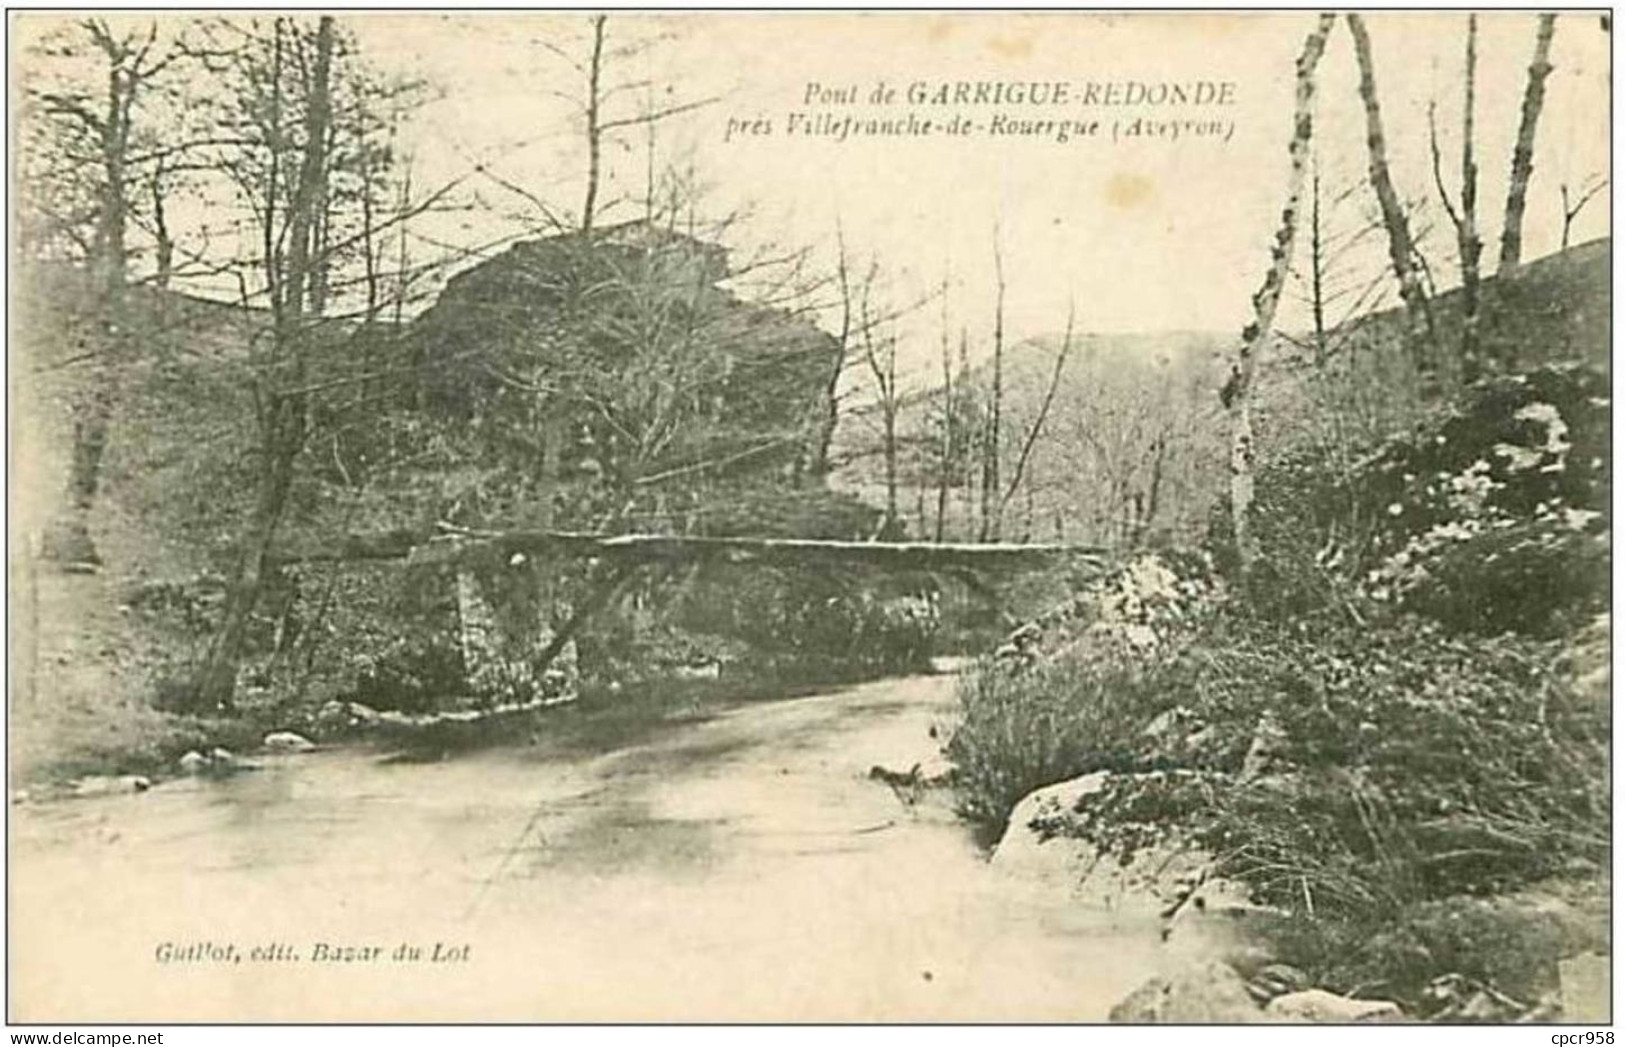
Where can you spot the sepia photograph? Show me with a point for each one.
(776, 516)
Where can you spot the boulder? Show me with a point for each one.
(1206, 993)
(1023, 851)
(288, 742)
(335, 717)
(1172, 880)
(1318, 1005)
(217, 761)
(111, 785)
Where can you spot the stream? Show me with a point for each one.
(743, 867)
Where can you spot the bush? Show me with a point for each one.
(1022, 730)
(1492, 518)
(1340, 769)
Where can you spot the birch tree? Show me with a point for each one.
(1236, 395)
(1523, 152)
(1402, 252)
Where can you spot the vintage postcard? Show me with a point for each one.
(809, 517)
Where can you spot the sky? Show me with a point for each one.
(1133, 235)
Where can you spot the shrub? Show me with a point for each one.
(1339, 769)
(1064, 717)
(1493, 517)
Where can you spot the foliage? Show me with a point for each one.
(1491, 517)
(1354, 766)
(1022, 730)
(1498, 520)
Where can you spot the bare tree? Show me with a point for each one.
(992, 435)
(1237, 393)
(1523, 152)
(1401, 245)
(290, 113)
(1037, 427)
(880, 353)
(946, 407)
(93, 134)
(1336, 285)
(1573, 205)
(603, 115)
(831, 416)
(1465, 219)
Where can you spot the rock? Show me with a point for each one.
(107, 785)
(1318, 1005)
(1172, 881)
(1584, 985)
(218, 762)
(1205, 993)
(710, 670)
(1276, 979)
(336, 716)
(1023, 851)
(20, 796)
(1455, 997)
(288, 742)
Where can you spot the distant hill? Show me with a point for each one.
(1136, 442)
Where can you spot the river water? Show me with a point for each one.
(744, 867)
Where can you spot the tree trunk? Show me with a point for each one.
(68, 540)
(992, 443)
(1523, 153)
(284, 419)
(1401, 247)
(217, 680)
(891, 468)
(595, 136)
(1237, 393)
(1033, 434)
(1468, 244)
(945, 463)
(1317, 271)
(831, 403)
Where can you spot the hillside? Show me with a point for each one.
(1135, 444)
